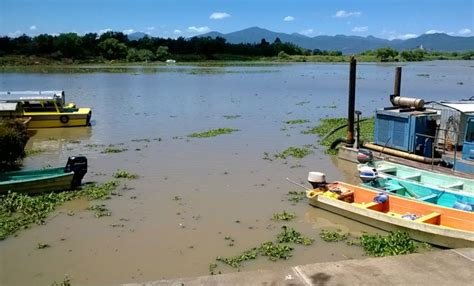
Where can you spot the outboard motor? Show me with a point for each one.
(367, 174)
(365, 157)
(78, 165)
(317, 179)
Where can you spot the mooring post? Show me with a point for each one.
(351, 108)
(398, 81)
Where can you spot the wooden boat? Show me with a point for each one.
(437, 225)
(413, 190)
(45, 180)
(46, 109)
(431, 179)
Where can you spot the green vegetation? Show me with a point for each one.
(284, 216)
(32, 152)
(297, 121)
(273, 251)
(13, 138)
(291, 235)
(294, 152)
(235, 261)
(295, 196)
(331, 236)
(213, 132)
(99, 192)
(18, 211)
(100, 210)
(124, 174)
(395, 243)
(326, 125)
(115, 47)
(112, 149)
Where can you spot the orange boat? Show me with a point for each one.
(437, 225)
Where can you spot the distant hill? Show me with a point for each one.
(136, 36)
(349, 44)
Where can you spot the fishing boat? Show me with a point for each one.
(46, 109)
(420, 176)
(446, 227)
(413, 190)
(45, 180)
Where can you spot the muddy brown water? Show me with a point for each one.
(224, 185)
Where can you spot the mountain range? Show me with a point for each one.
(345, 44)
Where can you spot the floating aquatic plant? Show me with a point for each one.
(213, 132)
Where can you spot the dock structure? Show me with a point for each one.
(444, 267)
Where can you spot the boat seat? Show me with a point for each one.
(414, 177)
(432, 218)
(429, 198)
(457, 185)
(389, 170)
(394, 188)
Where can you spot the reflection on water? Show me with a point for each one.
(225, 186)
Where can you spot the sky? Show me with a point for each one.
(389, 19)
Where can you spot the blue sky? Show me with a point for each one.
(167, 18)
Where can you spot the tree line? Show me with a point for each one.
(117, 46)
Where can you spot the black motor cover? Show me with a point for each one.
(78, 165)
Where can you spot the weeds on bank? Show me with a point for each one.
(213, 132)
(274, 251)
(395, 243)
(112, 149)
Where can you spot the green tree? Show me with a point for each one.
(142, 55)
(162, 53)
(112, 49)
(69, 44)
(13, 138)
(386, 54)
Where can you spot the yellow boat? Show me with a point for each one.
(45, 108)
(446, 227)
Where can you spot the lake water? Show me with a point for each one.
(226, 188)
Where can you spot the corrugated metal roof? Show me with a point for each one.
(466, 107)
(8, 106)
(13, 96)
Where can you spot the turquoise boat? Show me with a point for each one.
(45, 180)
(413, 190)
(430, 179)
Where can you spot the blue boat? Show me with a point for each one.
(428, 194)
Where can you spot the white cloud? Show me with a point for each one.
(402, 37)
(307, 32)
(103, 31)
(150, 28)
(128, 31)
(33, 27)
(464, 31)
(345, 14)
(434, 32)
(288, 18)
(219, 15)
(177, 32)
(360, 29)
(198, 30)
(15, 34)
